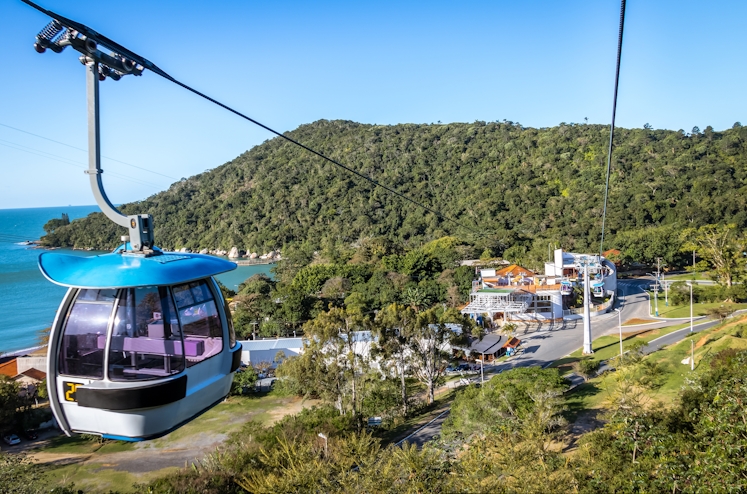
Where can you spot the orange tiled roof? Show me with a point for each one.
(9, 368)
(514, 270)
(611, 252)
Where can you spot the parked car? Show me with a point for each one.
(451, 368)
(31, 434)
(11, 439)
(463, 367)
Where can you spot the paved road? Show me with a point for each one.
(545, 343)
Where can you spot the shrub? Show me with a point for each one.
(587, 368)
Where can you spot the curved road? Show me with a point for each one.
(544, 343)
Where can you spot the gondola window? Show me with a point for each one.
(146, 340)
(84, 337)
(200, 321)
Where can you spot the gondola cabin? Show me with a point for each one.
(140, 345)
(566, 288)
(598, 288)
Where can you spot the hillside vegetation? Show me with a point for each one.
(522, 187)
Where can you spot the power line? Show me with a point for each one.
(62, 159)
(147, 64)
(85, 150)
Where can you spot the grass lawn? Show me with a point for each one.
(674, 374)
(675, 311)
(703, 275)
(606, 347)
(100, 477)
(80, 444)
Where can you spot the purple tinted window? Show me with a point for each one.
(146, 341)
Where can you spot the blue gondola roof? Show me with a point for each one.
(122, 270)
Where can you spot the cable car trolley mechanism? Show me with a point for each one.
(143, 341)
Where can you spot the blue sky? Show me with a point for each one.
(289, 63)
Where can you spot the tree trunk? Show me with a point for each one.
(431, 391)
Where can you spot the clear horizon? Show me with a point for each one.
(538, 63)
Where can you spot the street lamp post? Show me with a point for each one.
(656, 299)
(620, 328)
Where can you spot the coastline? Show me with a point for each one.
(25, 351)
(252, 262)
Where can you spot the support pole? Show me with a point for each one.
(140, 226)
(94, 147)
(587, 312)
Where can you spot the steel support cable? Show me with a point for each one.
(121, 50)
(612, 124)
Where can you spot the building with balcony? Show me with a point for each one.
(514, 293)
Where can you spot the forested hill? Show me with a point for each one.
(524, 187)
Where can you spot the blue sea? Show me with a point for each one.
(28, 301)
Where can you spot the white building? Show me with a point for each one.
(255, 351)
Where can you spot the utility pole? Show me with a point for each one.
(656, 299)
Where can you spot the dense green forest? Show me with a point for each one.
(519, 188)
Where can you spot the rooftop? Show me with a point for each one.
(9, 368)
(33, 374)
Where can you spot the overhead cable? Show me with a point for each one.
(85, 150)
(612, 124)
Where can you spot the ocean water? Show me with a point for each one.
(28, 301)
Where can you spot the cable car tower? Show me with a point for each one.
(589, 265)
(143, 341)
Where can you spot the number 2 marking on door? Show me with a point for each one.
(70, 389)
